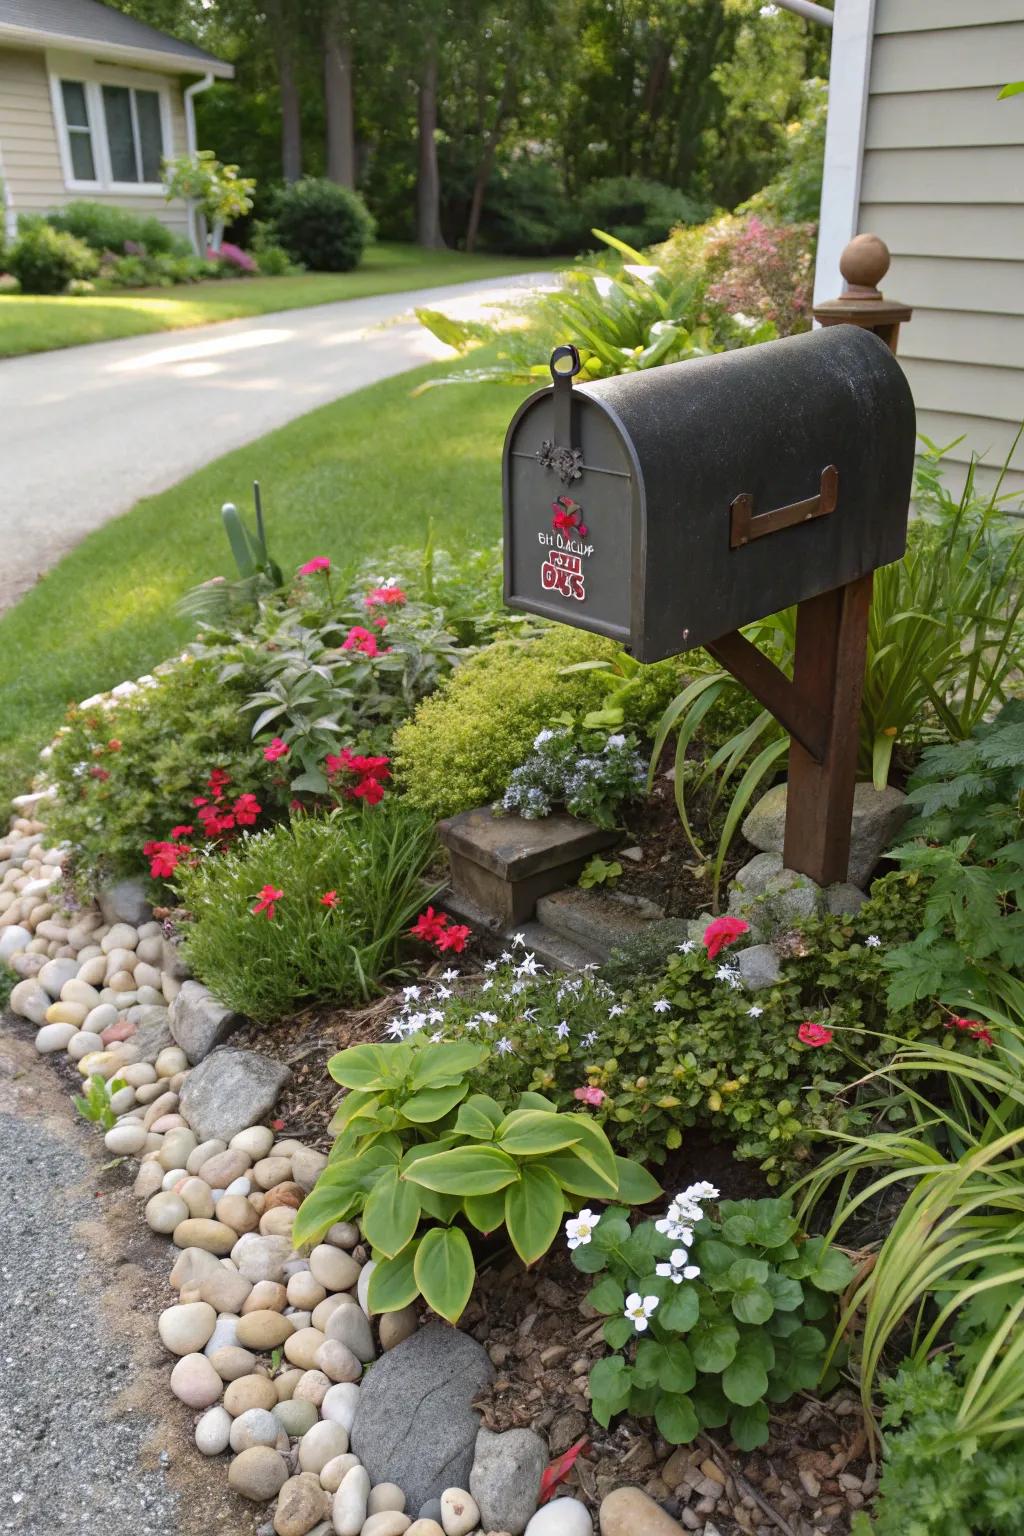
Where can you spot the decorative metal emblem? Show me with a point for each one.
(566, 462)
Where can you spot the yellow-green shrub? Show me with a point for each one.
(464, 740)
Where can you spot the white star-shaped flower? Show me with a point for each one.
(873, 941)
(396, 1029)
(451, 974)
(490, 965)
(519, 941)
(563, 1031)
(615, 1010)
(730, 975)
(410, 994)
(589, 1039)
(528, 966)
(486, 986)
(678, 1267)
(639, 1309)
(755, 1012)
(580, 1229)
(686, 947)
(662, 1005)
(503, 1046)
(488, 1018)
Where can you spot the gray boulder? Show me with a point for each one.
(844, 900)
(199, 1022)
(173, 963)
(759, 967)
(415, 1424)
(505, 1480)
(230, 1091)
(792, 896)
(125, 902)
(152, 1030)
(878, 816)
(752, 880)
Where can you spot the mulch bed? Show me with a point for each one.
(668, 871)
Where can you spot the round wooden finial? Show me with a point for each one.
(864, 263)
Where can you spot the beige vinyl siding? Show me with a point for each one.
(943, 184)
(30, 149)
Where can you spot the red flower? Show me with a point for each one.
(276, 749)
(388, 595)
(318, 563)
(199, 800)
(590, 1095)
(369, 790)
(96, 772)
(246, 809)
(214, 822)
(164, 858)
(453, 938)
(813, 1034)
(113, 745)
(379, 623)
(722, 931)
(182, 831)
(566, 514)
(329, 899)
(296, 805)
(429, 926)
(267, 897)
(975, 1029)
(216, 782)
(359, 639)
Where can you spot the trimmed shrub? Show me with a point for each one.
(324, 226)
(637, 212)
(45, 260)
(267, 954)
(112, 229)
(464, 741)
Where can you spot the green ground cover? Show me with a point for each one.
(31, 324)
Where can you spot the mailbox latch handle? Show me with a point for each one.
(744, 526)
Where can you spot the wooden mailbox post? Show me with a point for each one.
(669, 508)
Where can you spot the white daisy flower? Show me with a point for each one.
(639, 1309)
(678, 1267)
(580, 1229)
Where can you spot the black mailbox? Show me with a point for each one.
(668, 508)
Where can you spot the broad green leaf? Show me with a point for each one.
(786, 1293)
(676, 1372)
(443, 1208)
(594, 1149)
(588, 1259)
(391, 1213)
(713, 1344)
(393, 1282)
(534, 1132)
(610, 1385)
(676, 1419)
(608, 1297)
(749, 1426)
(364, 1066)
(710, 1402)
(578, 1177)
(320, 1210)
(833, 1271)
(530, 1100)
(474, 1122)
(800, 1358)
(436, 1064)
(681, 1307)
(357, 1102)
(432, 1104)
(533, 1212)
(647, 1367)
(477, 1170)
(636, 1185)
(445, 1271)
(485, 1212)
(617, 1332)
(751, 1303)
(745, 1380)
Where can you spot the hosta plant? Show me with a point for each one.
(422, 1160)
(712, 1319)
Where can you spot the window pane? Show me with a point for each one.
(117, 110)
(75, 113)
(151, 139)
(83, 167)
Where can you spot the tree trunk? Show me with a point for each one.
(338, 99)
(428, 181)
(291, 119)
(486, 165)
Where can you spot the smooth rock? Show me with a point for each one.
(256, 1142)
(389, 1522)
(223, 1166)
(170, 1061)
(167, 1211)
(186, 1329)
(266, 1296)
(196, 1232)
(321, 1444)
(395, 1327)
(247, 1392)
(385, 1496)
(459, 1512)
(877, 818)
(287, 1194)
(343, 1234)
(12, 939)
(349, 1508)
(335, 1269)
(363, 1286)
(261, 1258)
(202, 1154)
(230, 1091)
(30, 1001)
(301, 1505)
(263, 1330)
(67, 1013)
(83, 1042)
(334, 1358)
(564, 1517)
(758, 967)
(152, 1032)
(52, 1037)
(55, 974)
(423, 1527)
(301, 1348)
(223, 1335)
(213, 1431)
(415, 1424)
(195, 1381)
(191, 1267)
(271, 1170)
(198, 1196)
(307, 1167)
(333, 1475)
(225, 1289)
(178, 1143)
(844, 900)
(236, 1212)
(631, 1512)
(278, 1222)
(505, 1480)
(295, 1416)
(312, 1387)
(258, 1473)
(198, 1021)
(78, 991)
(339, 1404)
(119, 936)
(148, 1180)
(305, 1292)
(231, 1362)
(256, 1426)
(351, 1327)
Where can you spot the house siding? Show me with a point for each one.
(30, 149)
(942, 182)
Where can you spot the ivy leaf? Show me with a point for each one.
(676, 1419)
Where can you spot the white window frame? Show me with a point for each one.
(93, 77)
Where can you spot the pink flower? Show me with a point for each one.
(975, 1029)
(590, 1095)
(813, 1034)
(359, 639)
(722, 931)
(276, 749)
(319, 563)
(266, 902)
(384, 595)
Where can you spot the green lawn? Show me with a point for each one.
(29, 324)
(355, 478)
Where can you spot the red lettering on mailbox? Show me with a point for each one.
(563, 573)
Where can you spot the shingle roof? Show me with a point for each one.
(88, 25)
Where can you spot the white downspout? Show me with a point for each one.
(10, 218)
(192, 145)
(809, 11)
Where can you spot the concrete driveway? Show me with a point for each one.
(84, 433)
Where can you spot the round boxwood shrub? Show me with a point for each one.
(324, 226)
(45, 260)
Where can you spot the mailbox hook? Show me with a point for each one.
(560, 355)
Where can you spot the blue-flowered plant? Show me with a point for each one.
(590, 774)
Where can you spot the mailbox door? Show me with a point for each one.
(572, 539)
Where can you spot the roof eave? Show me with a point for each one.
(126, 53)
